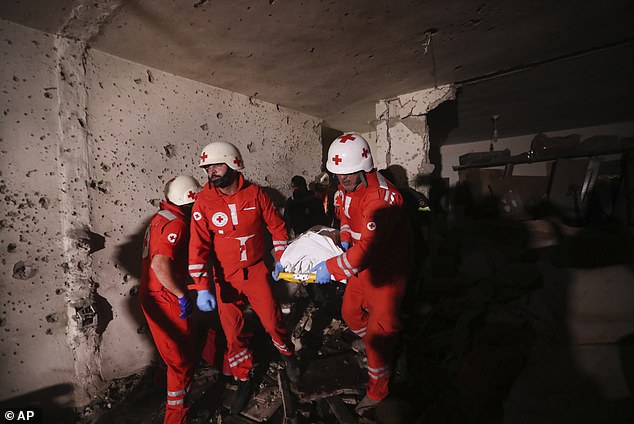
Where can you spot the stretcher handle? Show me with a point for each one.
(296, 277)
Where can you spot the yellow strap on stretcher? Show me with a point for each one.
(298, 277)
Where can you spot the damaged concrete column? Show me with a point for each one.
(403, 134)
(83, 338)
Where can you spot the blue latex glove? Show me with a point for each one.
(345, 246)
(276, 272)
(205, 301)
(323, 276)
(186, 306)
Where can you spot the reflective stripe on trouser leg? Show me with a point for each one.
(378, 379)
(383, 326)
(176, 407)
(178, 397)
(237, 359)
(238, 355)
(173, 339)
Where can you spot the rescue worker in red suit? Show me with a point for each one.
(163, 292)
(227, 248)
(376, 239)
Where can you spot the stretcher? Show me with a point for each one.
(316, 245)
(297, 277)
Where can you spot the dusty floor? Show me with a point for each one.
(479, 346)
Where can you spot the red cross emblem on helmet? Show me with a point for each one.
(349, 153)
(347, 137)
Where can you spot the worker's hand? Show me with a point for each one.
(205, 301)
(276, 272)
(323, 275)
(186, 306)
(345, 246)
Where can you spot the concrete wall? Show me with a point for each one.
(402, 133)
(88, 141)
(33, 349)
(147, 126)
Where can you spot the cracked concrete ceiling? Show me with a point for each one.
(540, 65)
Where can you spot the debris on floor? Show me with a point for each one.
(464, 342)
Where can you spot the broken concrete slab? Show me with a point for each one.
(332, 375)
(264, 403)
(288, 404)
(340, 411)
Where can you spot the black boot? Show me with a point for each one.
(243, 395)
(366, 405)
(292, 368)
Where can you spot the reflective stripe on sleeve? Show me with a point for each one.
(279, 245)
(343, 268)
(350, 267)
(196, 270)
(167, 214)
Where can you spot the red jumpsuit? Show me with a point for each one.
(168, 235)
(227, 232)
(377, 267)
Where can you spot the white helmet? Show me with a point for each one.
(182, 190)
(221, 152)
(349, 153)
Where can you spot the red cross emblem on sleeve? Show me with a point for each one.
(347, 137)
(336, 159)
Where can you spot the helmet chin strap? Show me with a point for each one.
(186, 209)
(364, 181)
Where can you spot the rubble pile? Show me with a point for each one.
(466, 338)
